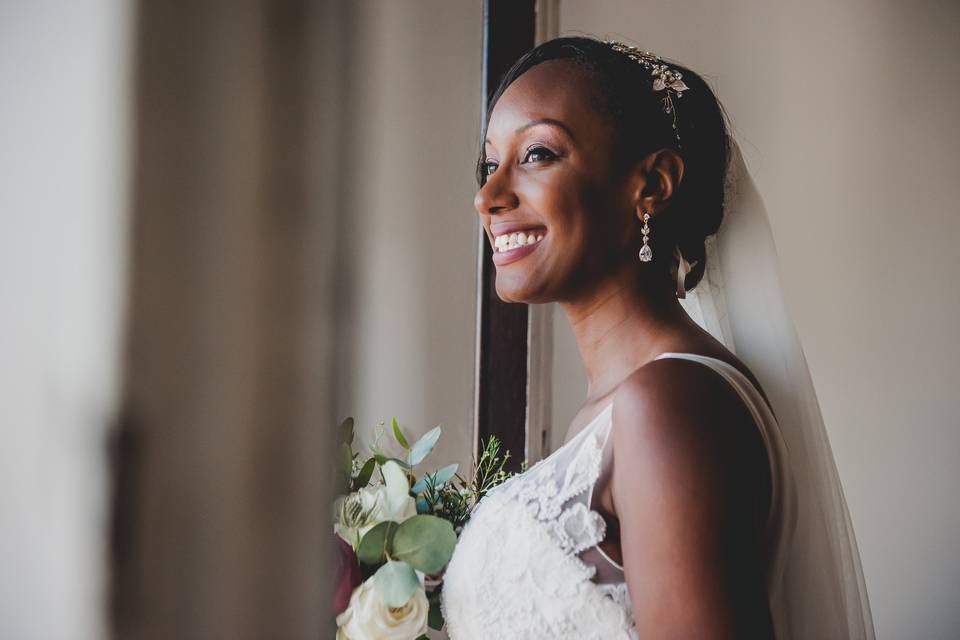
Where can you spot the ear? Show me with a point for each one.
(661, 173)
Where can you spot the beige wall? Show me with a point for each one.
(411, 116)
(64, 127)
(846, 114)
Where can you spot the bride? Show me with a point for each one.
(688, 501)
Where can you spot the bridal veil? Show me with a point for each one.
(822, 593)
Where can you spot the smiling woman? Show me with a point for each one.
(604, 118)
(671, 509)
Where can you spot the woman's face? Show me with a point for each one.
(551, 177)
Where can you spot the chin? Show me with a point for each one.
(509, 294)
(513, 289)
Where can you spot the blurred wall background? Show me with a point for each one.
(408, 231)
(846, 116)
(64, 136)
(221, 511)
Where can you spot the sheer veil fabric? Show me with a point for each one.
(822, 593)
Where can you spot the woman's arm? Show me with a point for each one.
(687, 486)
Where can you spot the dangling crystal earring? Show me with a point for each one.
(646, 253)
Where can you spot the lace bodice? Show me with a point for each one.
(519, 568)
(516, 572)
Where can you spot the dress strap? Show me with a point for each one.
(736, 378)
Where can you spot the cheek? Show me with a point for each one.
(585, 218)
(586, 231)
(568, 204)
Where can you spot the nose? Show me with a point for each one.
(496, 195)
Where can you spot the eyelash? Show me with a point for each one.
(485, 167)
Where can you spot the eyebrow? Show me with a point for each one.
(533, 123)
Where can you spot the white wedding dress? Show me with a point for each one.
(528, 565)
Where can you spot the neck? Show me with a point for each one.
(621, 326)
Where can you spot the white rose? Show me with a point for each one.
(360, 511)
(368, 618)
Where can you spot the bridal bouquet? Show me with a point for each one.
(396, 533)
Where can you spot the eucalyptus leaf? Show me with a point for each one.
(345, 431)
(424, 541)
(398, 434)
(440, 478)
(444, 474)
(421, 485)
(376, 544)
(423, 446)
(423, 506)
(395, 583)
(363, 478)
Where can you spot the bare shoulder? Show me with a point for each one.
(678, 423)
(676, 397)
(687, 463)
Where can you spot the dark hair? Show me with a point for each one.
(629, 103)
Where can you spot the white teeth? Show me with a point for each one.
(508, 242)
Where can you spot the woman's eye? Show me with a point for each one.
(545, 153)
(487, 168)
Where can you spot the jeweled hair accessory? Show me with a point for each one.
(665, 79)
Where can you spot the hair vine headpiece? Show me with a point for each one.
(665, 78)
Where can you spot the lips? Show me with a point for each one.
(513, 241)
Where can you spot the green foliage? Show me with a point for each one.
(489, 470)
(398, 434)
(363, 477)
(454, 500)
(395, 583)
(425, 542)
(375, 546)
(435, 614)
(423, 446)
(437, 478)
